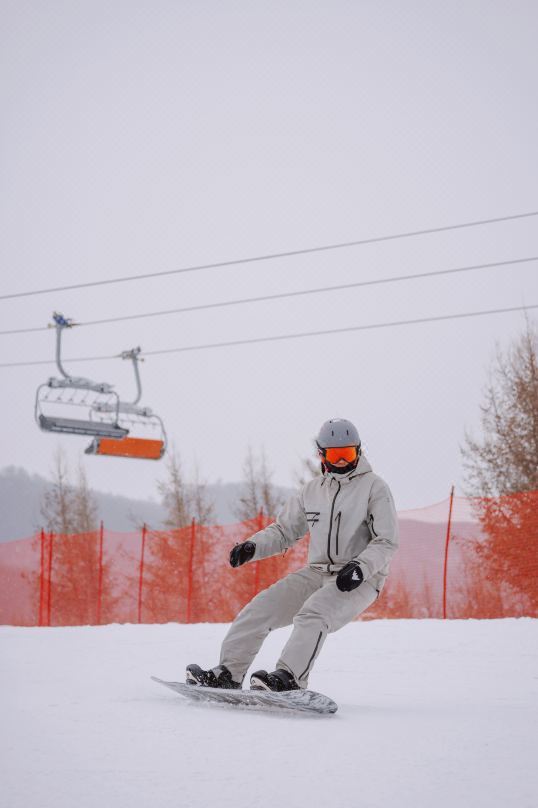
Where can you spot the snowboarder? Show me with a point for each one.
(350, 514)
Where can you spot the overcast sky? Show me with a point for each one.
(148, 136)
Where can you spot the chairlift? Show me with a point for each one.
(61, 401)
(147, 436)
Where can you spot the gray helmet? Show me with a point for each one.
(338, 432)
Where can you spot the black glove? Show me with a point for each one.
(241, 553)
(349, 577)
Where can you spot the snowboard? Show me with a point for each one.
(296, 701)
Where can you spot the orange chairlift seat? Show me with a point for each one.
(71, 404)
(144, 448)
(146, 438)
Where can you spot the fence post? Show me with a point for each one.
(41, 578)
(447, 542)
(141, 577)
(100, 575)
(189, 577)
(49, 580)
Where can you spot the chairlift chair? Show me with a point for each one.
(147, 436)
(60, 401)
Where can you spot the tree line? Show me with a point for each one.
(69, 506)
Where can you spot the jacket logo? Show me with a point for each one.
(312, 517)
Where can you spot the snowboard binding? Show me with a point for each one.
(277, 681)
(195, 675)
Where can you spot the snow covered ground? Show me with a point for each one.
(431, 713)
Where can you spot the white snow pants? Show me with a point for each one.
(307, 598)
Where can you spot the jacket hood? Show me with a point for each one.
(362, 467)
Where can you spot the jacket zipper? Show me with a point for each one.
(372, 524)
(331, 525)
(338, 519)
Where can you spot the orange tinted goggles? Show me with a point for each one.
(336, 453)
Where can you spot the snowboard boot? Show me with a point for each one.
(277, 681)
(222, 678)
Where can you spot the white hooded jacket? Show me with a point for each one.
(349, 516)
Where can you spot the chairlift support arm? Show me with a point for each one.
(134, 356)
(60, 322)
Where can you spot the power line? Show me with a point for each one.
(281, 337)
(268, 257)
(281, 295)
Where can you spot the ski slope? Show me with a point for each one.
(431, 713)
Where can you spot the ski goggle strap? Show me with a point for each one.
(335, 453)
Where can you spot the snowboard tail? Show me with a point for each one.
(302, 701)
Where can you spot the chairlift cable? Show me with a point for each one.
(281, 337)
(282, 295)
(269, 256)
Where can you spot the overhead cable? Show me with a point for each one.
(281, 295)
(280, 337)
(267, 257)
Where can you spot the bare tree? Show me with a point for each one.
(502, 473)
(57, 507)
(201, 505)
(85, 511)
(171, 552)
(173, 491)
(308, 470)
(505, 460)
(184, 501)
(259, 493)
(70, 513)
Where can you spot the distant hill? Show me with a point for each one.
(21, 494)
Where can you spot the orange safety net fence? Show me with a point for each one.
(459, 558)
